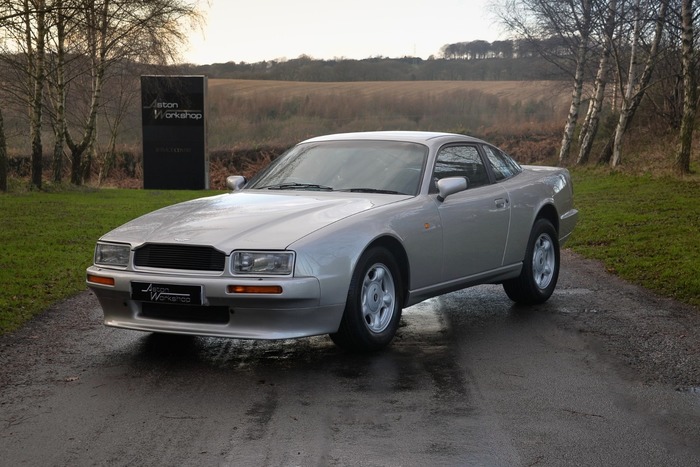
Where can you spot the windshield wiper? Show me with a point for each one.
(372, 190)
(297, 186)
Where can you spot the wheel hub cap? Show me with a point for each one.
(543, 261)
(378, 298)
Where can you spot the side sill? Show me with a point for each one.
(491, 277)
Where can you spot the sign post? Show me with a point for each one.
(174, 132)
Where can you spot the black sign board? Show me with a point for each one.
(174, 132)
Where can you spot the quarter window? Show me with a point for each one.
(503, 166)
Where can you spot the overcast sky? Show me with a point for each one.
(257, 30)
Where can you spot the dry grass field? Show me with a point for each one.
(245, 113)
(512, 91)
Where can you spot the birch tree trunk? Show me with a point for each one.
(572, 117)
(38, 80)
(690, 90)
(590, 129)
(579, 75)
(636, 87)
(97, 23)
(59, 94)
(587, 119)
(625, 113)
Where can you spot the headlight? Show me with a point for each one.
(263, 262)
(112, 254)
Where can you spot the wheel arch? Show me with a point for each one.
(549, 212)
(397, 250)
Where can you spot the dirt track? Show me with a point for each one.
(603, 374)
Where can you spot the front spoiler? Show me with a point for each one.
(294, 313)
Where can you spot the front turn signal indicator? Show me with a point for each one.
(93, 279)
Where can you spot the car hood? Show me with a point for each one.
(245, 220)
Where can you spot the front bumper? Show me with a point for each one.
(296, 312)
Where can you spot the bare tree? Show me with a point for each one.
(124, 95)
(62, 24)
(11, 18)
(25, 26)
(637, 83)
(30, 27)
(631, 87)
(147, 31)
(37, 59)
(589, 129)
(574, 24)
(560, 32)
(690, 89)
(93, 35)
(584, 29)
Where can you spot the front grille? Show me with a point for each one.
(195, 258)
(185, 313)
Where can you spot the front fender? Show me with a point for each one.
(331, 254)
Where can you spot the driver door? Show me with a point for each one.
(475, 222)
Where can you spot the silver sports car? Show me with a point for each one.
(337, 236)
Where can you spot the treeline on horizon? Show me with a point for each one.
(463, 61)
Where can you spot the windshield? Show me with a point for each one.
(356, 166)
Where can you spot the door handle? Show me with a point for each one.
(501, 203)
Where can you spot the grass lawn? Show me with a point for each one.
(643, 229)
(48, 240)
(646, 230)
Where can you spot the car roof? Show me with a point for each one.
(425, 137)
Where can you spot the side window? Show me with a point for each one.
(502, 165)
(461, 161)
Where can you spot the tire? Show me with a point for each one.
(540, 271)
(373, 307)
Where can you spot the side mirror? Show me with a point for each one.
(235, 182)
(449, 186)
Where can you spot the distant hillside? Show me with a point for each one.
(384, 69)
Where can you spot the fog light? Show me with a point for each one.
(255, 289)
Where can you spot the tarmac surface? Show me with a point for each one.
(604, 373)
